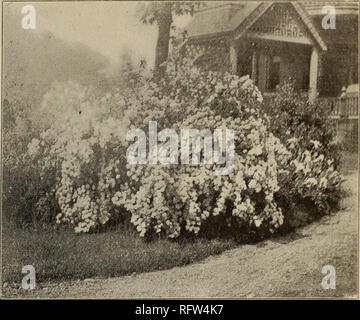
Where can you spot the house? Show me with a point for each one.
(272, 41)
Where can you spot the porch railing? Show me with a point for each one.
(344, 107)
(344, 111)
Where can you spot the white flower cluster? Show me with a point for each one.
(314, 176)
(83, 152)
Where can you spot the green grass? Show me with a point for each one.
(65, 255)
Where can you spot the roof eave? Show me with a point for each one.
(208, 36)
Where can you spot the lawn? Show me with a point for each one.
(66, 255)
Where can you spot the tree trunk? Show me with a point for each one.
(162, 46)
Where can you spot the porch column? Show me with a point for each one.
(314, 65)
(263, 74)
(254, 67)
(233, 57)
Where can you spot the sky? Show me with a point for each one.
(107, 27)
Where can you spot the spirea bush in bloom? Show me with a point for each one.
(84, 154)
(309, 134)
(171, 199)
(311, 178)
(293, 115)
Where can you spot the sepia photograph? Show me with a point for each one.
(179, 150)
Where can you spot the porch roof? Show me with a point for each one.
(219, 18)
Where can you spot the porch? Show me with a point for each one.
(271, 62)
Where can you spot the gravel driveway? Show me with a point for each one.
(288, 266)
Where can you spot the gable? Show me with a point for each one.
(281, 22)
(287, 21)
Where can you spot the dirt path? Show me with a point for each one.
(283, 267)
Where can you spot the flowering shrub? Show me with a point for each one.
(311, 178)
(308, 132)
(185, 88)
(171, 199)
(81, 155)
(82, 158)
(293, 115)
(316, 178)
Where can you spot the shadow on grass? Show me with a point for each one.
(65, 255)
